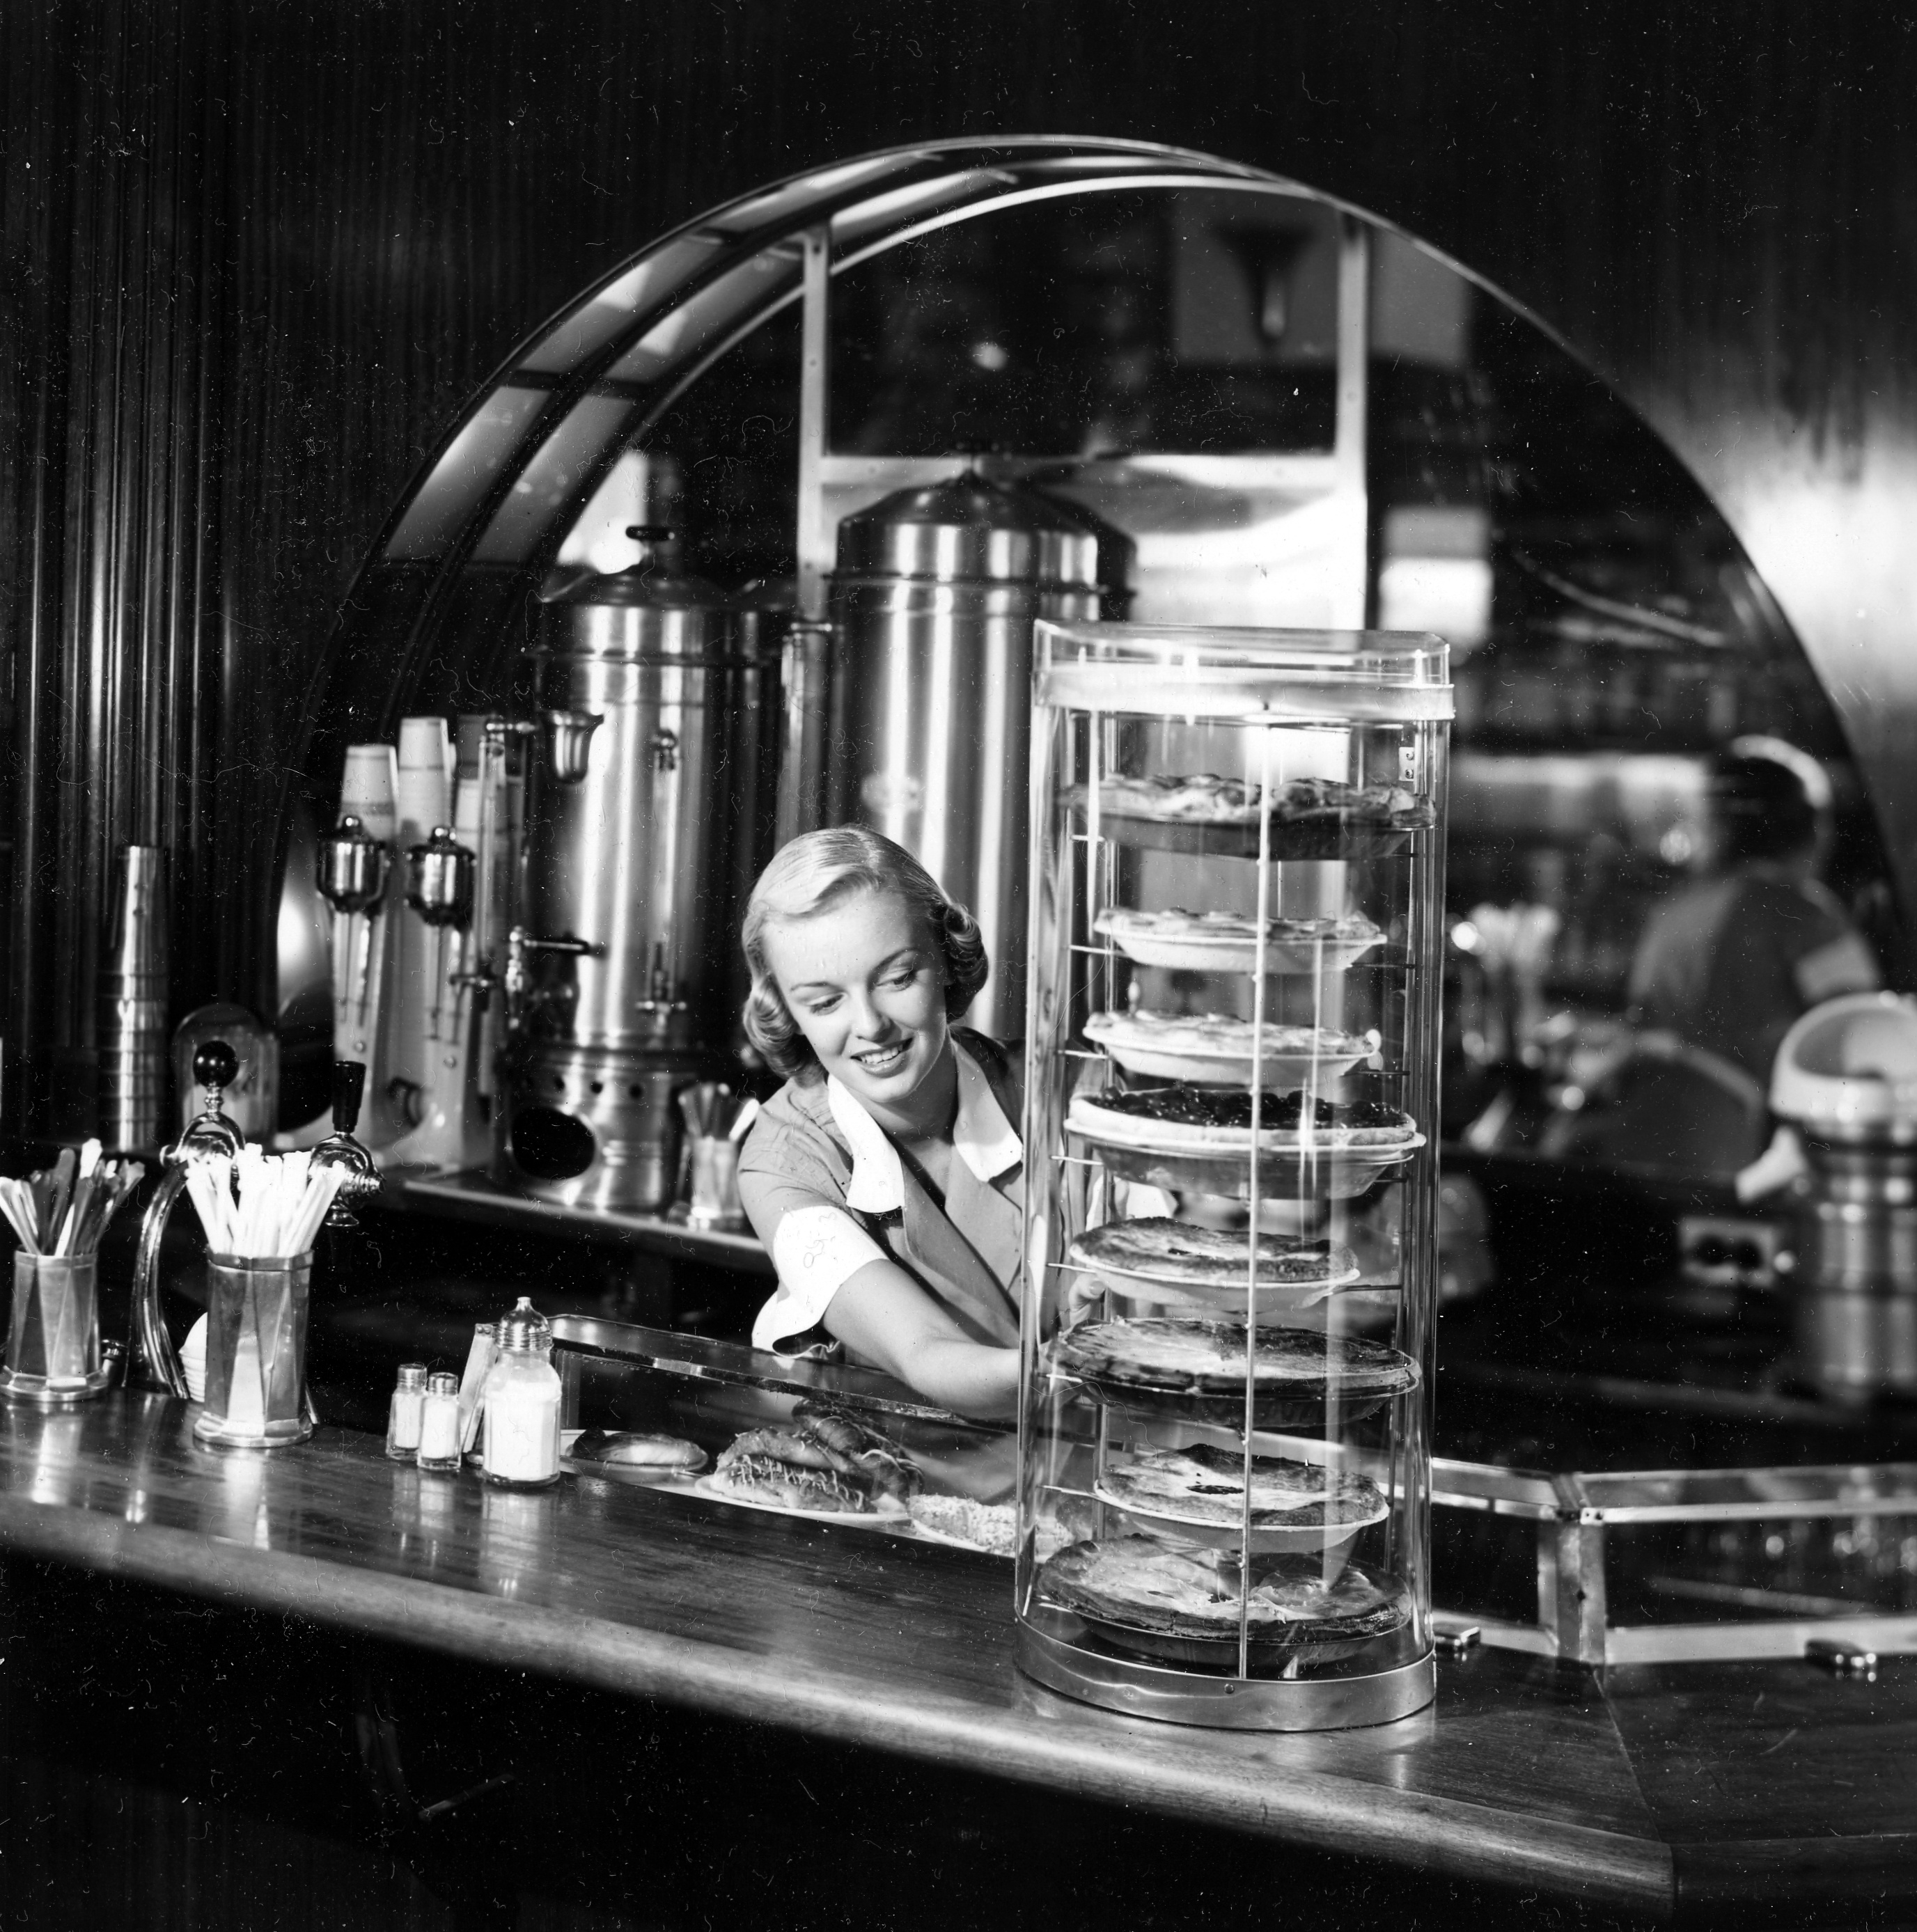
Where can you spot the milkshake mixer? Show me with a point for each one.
(352, 870)
(442, 888)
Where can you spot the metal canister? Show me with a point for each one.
(1845, 1079)
(649, 815)
(935, 596)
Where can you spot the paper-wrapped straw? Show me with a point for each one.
(260, 1206)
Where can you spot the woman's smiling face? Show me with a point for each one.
(865, 982)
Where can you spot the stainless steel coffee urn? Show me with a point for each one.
(934, 598)
(648, 816)
(1845, 1083)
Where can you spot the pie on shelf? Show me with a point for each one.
(1214, 1120)
(1205, 1484)
(1205, 798)
(1214, 1046)
(1227, 942)
(1143, 1587)
(1155, 1249)
(1167, 1366)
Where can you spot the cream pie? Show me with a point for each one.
(1227, 942)
(1212, 1046)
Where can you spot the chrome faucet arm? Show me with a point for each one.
(151, 1349)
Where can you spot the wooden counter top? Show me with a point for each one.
(1663, 1787)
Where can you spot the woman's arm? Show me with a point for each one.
(885, 1315)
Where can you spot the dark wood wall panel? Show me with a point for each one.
(263, 251)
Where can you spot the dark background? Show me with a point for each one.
(255, 255)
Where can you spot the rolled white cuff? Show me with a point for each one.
(816, 1251)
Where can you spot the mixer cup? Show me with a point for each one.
(440, 889)
(353, 868)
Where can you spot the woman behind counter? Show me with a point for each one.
(885, 1177)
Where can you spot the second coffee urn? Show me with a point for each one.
(934, 597)
(649, 816)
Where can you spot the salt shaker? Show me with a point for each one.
(403, 1418)
(520, 1434)
(439, 1424)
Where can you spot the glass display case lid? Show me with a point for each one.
(1183, 671)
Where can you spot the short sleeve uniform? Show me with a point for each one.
(1728, 964)
(828, 1193)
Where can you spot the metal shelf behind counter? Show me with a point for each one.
(472, 1196)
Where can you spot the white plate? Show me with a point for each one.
(895, 1517)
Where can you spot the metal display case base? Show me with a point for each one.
(1226, 1703)
(38, 1393)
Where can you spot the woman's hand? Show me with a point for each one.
(883, 1314)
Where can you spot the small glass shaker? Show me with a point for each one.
(403, 1418)
(439, 1424)
(520, 1433)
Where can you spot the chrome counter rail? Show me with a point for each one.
(1580, 1564)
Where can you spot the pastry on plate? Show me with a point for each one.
(1213, 1046)
(823, 1460)
(1204, 1484)
(1214, 1120)
(1227, 942)
(1138, 1584)
(1179, 1254)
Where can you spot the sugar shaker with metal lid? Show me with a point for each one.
(520, 1437)
(439, 1424)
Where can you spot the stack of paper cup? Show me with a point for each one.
(369, 791)
(133, 1005)
(424, 801)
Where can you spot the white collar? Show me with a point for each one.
(982, 1136)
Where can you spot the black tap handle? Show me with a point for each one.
(349, 1090)
(215, 1064)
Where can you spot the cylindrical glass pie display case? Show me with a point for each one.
(1232, 1052)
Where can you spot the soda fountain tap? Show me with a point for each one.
(341, 1149)
(353, 869)
(211, 1135)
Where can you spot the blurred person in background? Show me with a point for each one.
(1726, 962)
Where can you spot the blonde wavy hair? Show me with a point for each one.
(817, 871)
